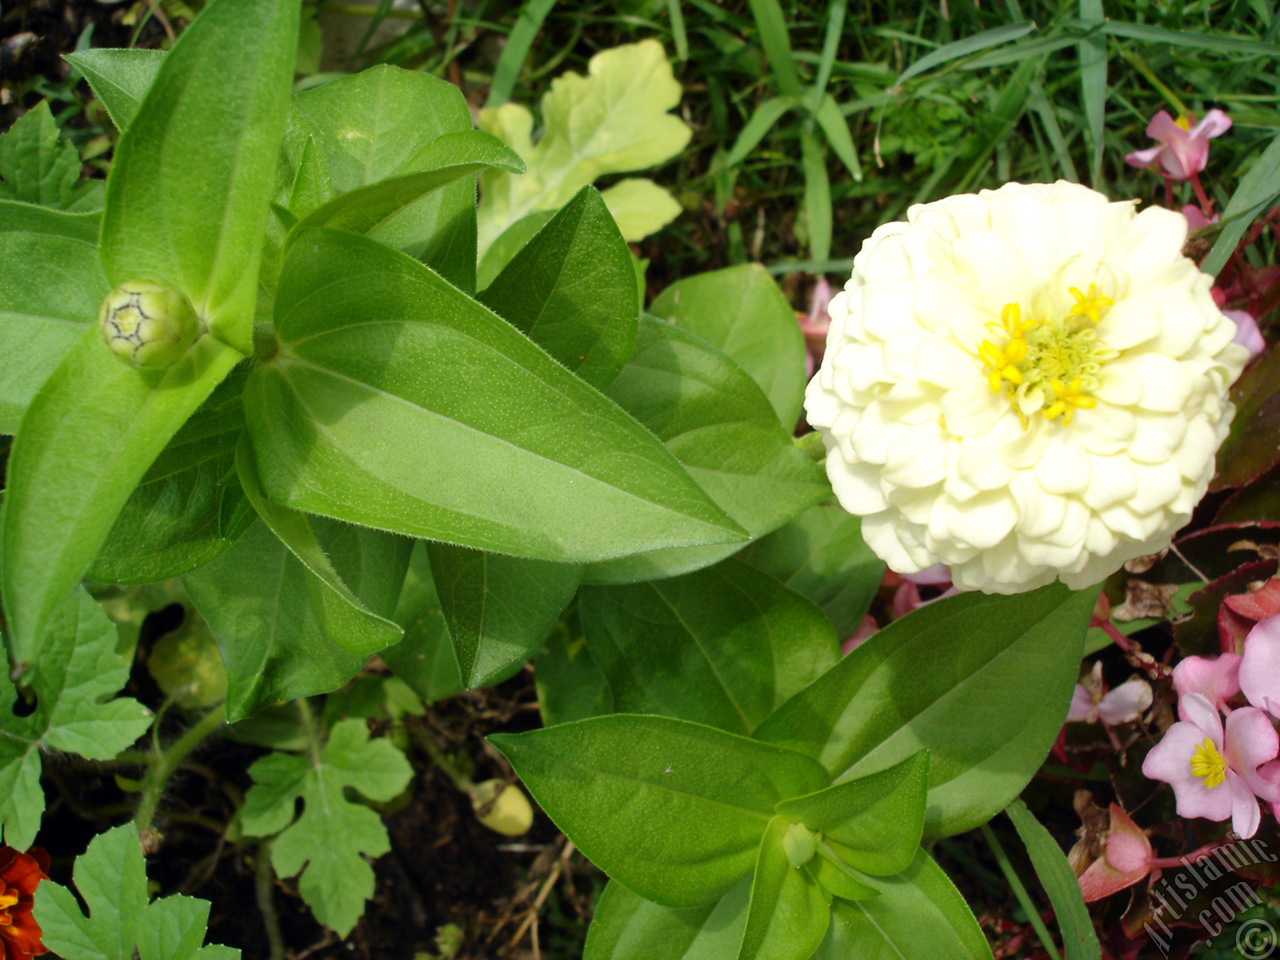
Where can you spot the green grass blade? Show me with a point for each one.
(817, 196)
(678, 32)
(1020, 893)
(772, 25)
(514, 54)
(962, 48)
(1049, 121)
(1059, 882)
(836, 129)
(1189, 38)
(1093, 84)
(830, 44)
(1256, 192)
(761, 122)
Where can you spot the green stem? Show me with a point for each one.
(167, 762)
(1020, 892)
(264, 879)
(1135, 60)
(446, 766)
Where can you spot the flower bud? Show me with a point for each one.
(146, 324)
(508, 813)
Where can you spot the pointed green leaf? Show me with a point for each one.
(513, 240)
(724, 646)
(425, 658)
(788, 916)
(741, 311)
(203, 234)
(822, 555)
(498, 609)
(77, 670)
(112, 880)
(87, 439)
(348, 622)
(940, 680)
(717, 422)
(918, 913)
(50, 289)
(398, 402)
(176, 518)
(37, 167)
(120, 79)
(837, 877)
(174, 929)
(268, 612)
(331, 838)
(626, 926)
(570, 685)
(876, 820)
(672, 809)
(572, 290)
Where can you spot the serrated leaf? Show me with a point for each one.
(572, 291)
(725, 646)
(822, 555)
(78, 668)
(920, 682)
(626, 926)
(329, 841)
(263, 607)
(640, 207)
(741, 312)
(50, 288)
(717, 422)
(672, 809)
(120, 78)
(36, 167)
(496, 446)
(111, 878)
(613, 120)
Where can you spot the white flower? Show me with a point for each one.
(1025, 384)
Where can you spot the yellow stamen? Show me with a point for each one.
(1183, 121)
(7, 900)
(1207, 764)
(1089, 305)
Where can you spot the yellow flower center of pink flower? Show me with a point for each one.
(1057, 358)
(1208, 764)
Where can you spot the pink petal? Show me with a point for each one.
(934, 576)
(1164, 128)
(1196, 220)
(1126, 702)
(1170, 761)
(1251, 741)
(1260, 604)
(1214, 124)
(1260, 669)
(1203, 715)
(866, 627)
(1125, 861)
(1247, 333)
(1246, 815)
(1216, 680)
(1142, 158)
(1127, 853)
(1185, 157)
(1083, 708)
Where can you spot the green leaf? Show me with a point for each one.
(716, 421)
(877, 820)
(570, 685)
(50, 289)
(918, 913)
(498, 609)
(331, 838)
(111, 878)
(1060, 883)
(77, 671)
(269, 612)
(572, 290)
(398, 402)
(203, 234)
(817, 197)
(614, 120)
(640, 207)
(741, 312)
(771, 25)
(626, 926)
(724, 646)
(1255, 193)
(516, 49)
(424, 659)
(348, 622)
(788, 916)
(822, 555)
(85, 442)
(37, 167)
(369, 127)
(512, 241)
(836, 130)
(119, 79)
(189, 507)
(761, 122)
(672, 809)
(441, 162)
(939, 679)
(1092, 53)
(948, 52)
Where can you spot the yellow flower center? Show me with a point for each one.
(1207, 764)
(7, 900)
(1183, 121)
(1056, 360)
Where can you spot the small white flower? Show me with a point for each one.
(1025, 384)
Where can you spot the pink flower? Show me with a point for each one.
(866, 627)
(1216, 680)
(1091, 702)
(1126, 859)
(815, 325)
(1183, 149)
(1260, 668)
(1214, 773)
(1247, 333)
(1196, 220)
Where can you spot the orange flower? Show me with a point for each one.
(19, 874)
